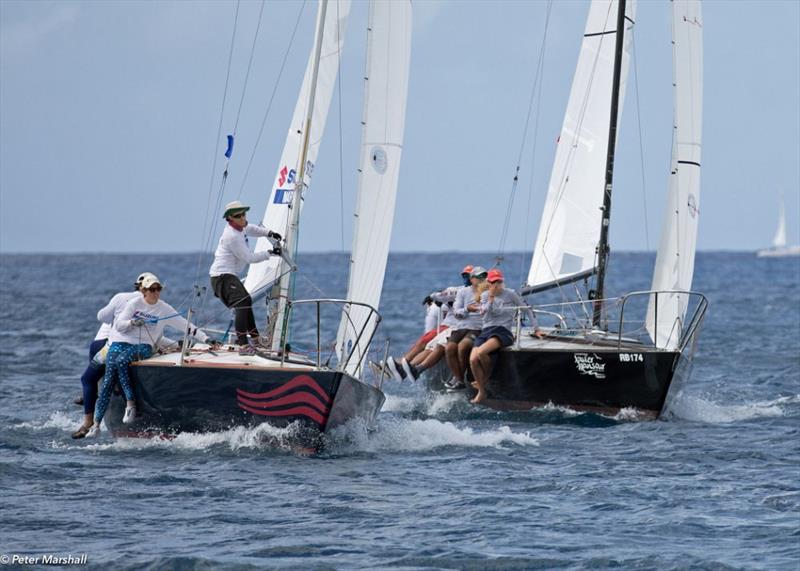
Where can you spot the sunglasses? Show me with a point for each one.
(154, 288)
(240, 215)
(495, 281)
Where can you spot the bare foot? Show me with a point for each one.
(474, 385)
(479, 398)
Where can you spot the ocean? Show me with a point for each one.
(439, 483)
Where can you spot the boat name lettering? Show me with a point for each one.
(590, 364)
(631, 358)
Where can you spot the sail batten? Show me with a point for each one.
(386, 88)
(569, 231)
(675, 259)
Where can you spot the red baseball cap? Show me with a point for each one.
(467, 269)
(494, 276)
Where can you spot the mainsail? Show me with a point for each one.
(386, 88)
(277, 214)
(569, 230)
(675, 259)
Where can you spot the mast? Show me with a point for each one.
(290, 242)
(602, 248)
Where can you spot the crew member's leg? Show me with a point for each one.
(480, 361)
(231, 291)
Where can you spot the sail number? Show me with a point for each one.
(631, 358)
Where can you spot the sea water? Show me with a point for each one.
(438, 483)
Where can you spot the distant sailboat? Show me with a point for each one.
(779, 248)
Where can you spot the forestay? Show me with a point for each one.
(386, 87)
(277, 213)
(569, 230)
(675, 259)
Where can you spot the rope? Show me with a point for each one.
(249, 66)
(341, 143)
(531, 100)
(204, 235)
(271, 99)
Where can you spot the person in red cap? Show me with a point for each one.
(499, 306)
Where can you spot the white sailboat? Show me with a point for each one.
(598, 355)
(779, 248)
(202, 390)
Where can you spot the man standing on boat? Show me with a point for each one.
(233, 254)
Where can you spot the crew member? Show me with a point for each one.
(230, 259)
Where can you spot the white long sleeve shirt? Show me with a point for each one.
(233, 252)
(156, 317)
(466, 319)
(112, 309)
(434, 316)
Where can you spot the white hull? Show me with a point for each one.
(782, 252)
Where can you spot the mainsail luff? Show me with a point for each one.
(385, 94)
(277, 214)
(569, 231)
(675, 259)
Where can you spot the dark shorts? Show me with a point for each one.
(457, 336)
(504, 335)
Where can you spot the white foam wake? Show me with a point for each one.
(403, 435)
(696, 409)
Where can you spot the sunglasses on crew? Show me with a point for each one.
(154, 288)
(240, 215)
(495, 281)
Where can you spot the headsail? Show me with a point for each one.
(675, 259)
(386, 88)
(569, 230)
(277, 213)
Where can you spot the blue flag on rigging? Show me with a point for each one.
(229, 152)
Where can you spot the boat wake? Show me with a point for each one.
(395, 434)
(695, 409)
(390, 434)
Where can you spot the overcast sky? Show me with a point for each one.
(109, 114)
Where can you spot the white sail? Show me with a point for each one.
(780, 236)
(675, 258)
(569, 230)
(276, 216)
(386, 88)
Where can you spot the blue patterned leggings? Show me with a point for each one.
(120, 355)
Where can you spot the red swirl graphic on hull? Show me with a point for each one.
(301, 396)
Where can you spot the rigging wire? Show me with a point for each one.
(271, 99)
(204, 237)
(249, 67)
(341, 142)
(641, 143)
(532, 99)
(539, 73)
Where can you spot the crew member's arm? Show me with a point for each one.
(459, 307)
(239, 249)
(106, 314)
(259, 230)
(125, 320)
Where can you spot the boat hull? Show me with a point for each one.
(203, 399)
(590, 379)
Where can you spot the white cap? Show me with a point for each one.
(149, 281)
(234, 207)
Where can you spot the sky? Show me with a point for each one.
(109, 113)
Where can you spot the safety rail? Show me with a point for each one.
(342, 365)
(585, 327)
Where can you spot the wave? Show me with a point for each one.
(422, 435)
(696, 409)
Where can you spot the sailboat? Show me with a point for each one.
(600, 354)
(201, 390)
(779, 248)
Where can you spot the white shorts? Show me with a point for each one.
(440, 339)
